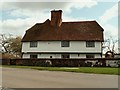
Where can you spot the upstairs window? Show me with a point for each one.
(33, 56)
(33, 44)
(90, 56)
(65, 44)
(90, 44)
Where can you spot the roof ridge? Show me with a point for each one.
(43, 22)
(79, 21)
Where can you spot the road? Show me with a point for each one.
(28, 78)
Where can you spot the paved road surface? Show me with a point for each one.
(27, 78)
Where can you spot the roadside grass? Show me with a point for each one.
(94, 70)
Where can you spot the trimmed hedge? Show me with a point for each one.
(54, 62)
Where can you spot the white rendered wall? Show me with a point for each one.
(55, 46)
(77, 56)
(43, 55)
(48, 55)
(59, 55)
(97, 55)
(26, 56)
(83, 56)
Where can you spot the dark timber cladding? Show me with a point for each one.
(55, 29)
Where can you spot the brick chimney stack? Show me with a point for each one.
(56, 18)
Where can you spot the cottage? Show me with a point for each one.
(56, 39)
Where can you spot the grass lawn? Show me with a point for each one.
(95, 70)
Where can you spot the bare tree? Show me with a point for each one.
(109, 46)
(4, 41)
(15, 46)
(10, 44)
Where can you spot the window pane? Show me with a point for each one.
(90, 56)
(64, 43)
(90, 44)
(33, 56)
(65, 56)
(33, 44)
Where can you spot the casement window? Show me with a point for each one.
(65, 56)
(33, 56)
(33, 44)
(65, 43)
(90, 44)
(90, 56)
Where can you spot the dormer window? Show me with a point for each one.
(33, 44)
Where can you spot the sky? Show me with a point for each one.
(16, 17)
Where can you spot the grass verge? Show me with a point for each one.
(94, 70)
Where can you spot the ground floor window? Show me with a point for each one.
(50, 56)
(90, 56)
(33, 56)
(78, 55)
(65, 56)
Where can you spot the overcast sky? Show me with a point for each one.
(17, 17)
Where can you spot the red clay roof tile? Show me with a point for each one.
(84, 30)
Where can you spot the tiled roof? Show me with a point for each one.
(83, 30)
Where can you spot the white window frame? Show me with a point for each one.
(65, 44)
(33, 44)
(31, 56)
(90, 43)
(90, 55)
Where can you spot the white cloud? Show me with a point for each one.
(40, 6)
(15, 27)
(109, 14)
(59, 0)
(0, 26)
(110, 31)
(80, 4)
(36, 12)
(72, 19)
(18, 26)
